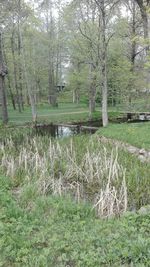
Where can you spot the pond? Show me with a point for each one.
(66, 130)
(60, 130)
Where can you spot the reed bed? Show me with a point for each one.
(54, 168)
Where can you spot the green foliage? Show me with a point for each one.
(58, 232)
(124, 82)
(67, 45)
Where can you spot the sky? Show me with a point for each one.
(34, 3)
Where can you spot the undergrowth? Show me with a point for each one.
(57, 232)
(53, 195)
(49, 167)
(80, 165)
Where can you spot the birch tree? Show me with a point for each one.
(105, 15)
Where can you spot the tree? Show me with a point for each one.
(84, 45)
(91, 45)
(103, 59)
(3, 72)
(105, 15)
(144, 6)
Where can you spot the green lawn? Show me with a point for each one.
(66, 112)
(137, 134)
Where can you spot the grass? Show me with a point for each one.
(66, 112)
(57, 232)
(79, 165)
(53, 196)
(41, 163)
(137, 134)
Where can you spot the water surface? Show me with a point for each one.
(59, 131)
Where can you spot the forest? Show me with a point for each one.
(90, 51)
(74, 133)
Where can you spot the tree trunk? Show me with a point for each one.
(104, 93)
(19, 59)
(92, 90)
(52, 92)
(52, 97)
(144, 9)
(21, 101)
(15, 72)
(3, 72)
(11, 93)
(75, 96)
(133, 51)
(91, 105)
(9, 84)
(144, 6)
(104, 65)
(29, 90)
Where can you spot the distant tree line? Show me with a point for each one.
(99, 48)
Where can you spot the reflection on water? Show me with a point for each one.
(59, 131)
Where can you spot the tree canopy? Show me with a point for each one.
(97, 49)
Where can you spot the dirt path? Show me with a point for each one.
(142, 154)
(66, 113)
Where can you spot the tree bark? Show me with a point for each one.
(3, 72)
(52, 97)
(144, 6)
(19, 59)
(11, 93)
(52, 92)
(9, 83)
(104, 64)
(29, 90)
(15, 72)
(92, 90)
(133, 49)
(76, 96)
(145, 14)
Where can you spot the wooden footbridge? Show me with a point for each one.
(141, 116)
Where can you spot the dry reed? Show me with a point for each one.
(59, 170)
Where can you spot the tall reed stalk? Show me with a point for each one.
(58, 169)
